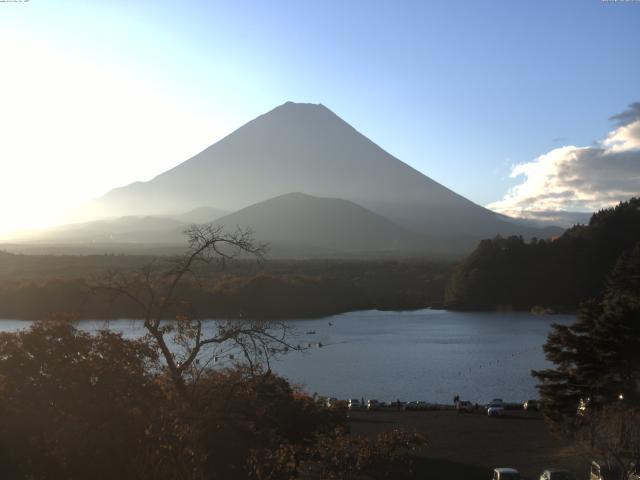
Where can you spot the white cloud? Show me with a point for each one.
(578, 179)
(626, 137)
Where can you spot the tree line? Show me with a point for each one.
(511, 273)
(243, 289)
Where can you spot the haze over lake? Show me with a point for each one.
(413, 355)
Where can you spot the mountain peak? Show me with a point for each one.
(305, 147)
(299, 108)
(291, 104)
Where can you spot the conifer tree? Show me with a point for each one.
(598, 357)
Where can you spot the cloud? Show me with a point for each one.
(579, 179)
(628, 116)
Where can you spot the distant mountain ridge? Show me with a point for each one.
(199, 215)
(294, 225)
(128, 229)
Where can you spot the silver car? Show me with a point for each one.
(495, 410)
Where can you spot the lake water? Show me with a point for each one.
(418, 355)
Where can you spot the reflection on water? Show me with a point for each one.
(420, 355)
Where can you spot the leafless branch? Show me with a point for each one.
(153, 290)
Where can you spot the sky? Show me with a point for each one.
(527, 107)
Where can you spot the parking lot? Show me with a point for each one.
(470, 445)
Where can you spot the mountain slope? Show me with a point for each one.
(294, 225)
(129, 229)
(329, 225)
(199, 215)
(307, 148)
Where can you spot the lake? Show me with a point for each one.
(427, 355)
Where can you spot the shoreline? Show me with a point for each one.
(435, 308)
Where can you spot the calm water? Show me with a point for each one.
(420, 355)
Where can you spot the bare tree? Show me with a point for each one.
(169, 319)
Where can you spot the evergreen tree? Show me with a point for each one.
(598, 357)
(559, 273)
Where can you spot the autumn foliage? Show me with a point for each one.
(78, 405)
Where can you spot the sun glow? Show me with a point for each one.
(73, 128)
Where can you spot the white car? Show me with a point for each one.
(417, 405)
(373, 405)
(495, 410)
(354, 404)
(331, 402)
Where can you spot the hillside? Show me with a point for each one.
(300, 222)
(294, 225)
(124, 230)
(199, 215)
(509, 273)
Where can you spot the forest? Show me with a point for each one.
(34, 287)
(546, 275)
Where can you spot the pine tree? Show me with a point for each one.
(598, 357)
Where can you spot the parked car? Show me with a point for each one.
(412, 405)
(530, 405)
(555, 474)
(416, 405)
(464, 406)
(495, 410)
(330, 402)
(603, 471)
(506, 474)
(373, 405)
(354, 404)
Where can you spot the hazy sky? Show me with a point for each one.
(95, 95)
